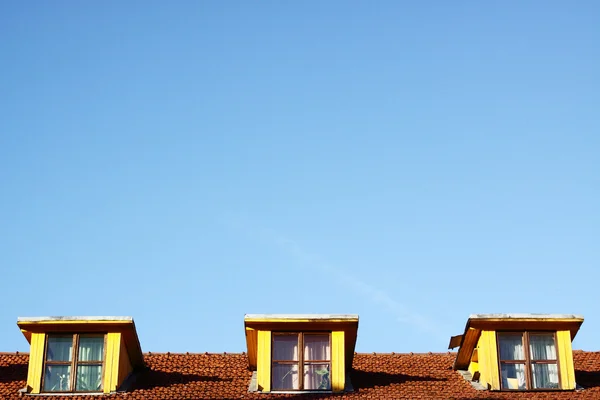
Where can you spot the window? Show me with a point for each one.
(306, 352)
(528, 360)
(73, 363)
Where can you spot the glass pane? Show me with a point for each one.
(59, 348)
(316, 377)
(91, 348)
(57, 378)
(545, 376)
(513, 376)
(542, 347)
(511, 346)
(285, 377)
(89, 378)
(285, 347)
(316, 347)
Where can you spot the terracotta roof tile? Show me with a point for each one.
(374, 376)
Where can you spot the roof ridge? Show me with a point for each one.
(194, 353)
(410, 353)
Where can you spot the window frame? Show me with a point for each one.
(301, 362)
(528, 362)
(74, 363)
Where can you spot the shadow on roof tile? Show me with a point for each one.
(587, 379)
(13, 372)
(150, 379)
(365, 379)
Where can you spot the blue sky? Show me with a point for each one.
(190, 162)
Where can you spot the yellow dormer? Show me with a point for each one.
(300, 352)
(518, 351)
(80, 354)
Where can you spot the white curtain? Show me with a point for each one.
(59, 348)
(545, 376)
(57, 378)
(513, 374)
(89, 376)
(542, 347)
(511, 347)
(317, 375)
(285, 375)
(285, 348)
(316, 347)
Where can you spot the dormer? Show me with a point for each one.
(517, 352)
(299, 353)
(92, 355)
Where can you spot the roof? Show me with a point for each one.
(79, 318)
(525, 316)
(300, 317)
(374, 376)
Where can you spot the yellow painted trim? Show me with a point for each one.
(26, 324)
(125, 367)
(263, 362)
(111, 363)
(474, 364)
(473, 367)
(488, 360)
(277, 320)
(106, 379)
(525, 320)
(36, 362)
(338, 364)
(484, 322)
(565, 359)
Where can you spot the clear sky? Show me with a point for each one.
(188, 162)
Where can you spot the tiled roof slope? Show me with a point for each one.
(374, 376)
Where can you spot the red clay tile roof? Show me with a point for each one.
(374, 376)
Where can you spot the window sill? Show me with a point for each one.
(532, 390)
(298, 392)
(63, 394)
(68, 394)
